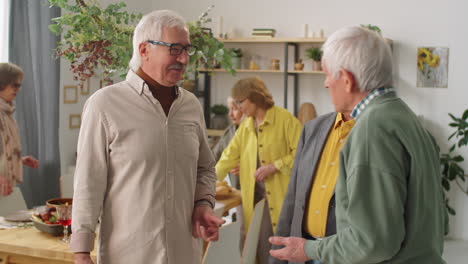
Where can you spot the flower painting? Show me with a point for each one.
(432, 68)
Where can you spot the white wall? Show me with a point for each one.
(409, 23)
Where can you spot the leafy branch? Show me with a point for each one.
(450, 168)
(94, 37)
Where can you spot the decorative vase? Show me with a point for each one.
(237, 62)
(316, 66)
(275, 65)
(299, 66)
(219, 121)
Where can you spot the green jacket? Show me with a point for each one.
(389, 200)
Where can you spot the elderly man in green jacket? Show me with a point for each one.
(389, 200)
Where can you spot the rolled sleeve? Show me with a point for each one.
(82, 242)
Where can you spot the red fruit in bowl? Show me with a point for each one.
(45, 216)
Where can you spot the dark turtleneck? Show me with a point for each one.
(165, 95)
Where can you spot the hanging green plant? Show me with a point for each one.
(94, 37)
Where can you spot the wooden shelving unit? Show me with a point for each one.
(286, 42)
(262, 71)
(273, 40)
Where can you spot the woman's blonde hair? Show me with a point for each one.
(9, 73)
(254, 89)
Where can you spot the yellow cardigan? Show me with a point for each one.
(277, 141)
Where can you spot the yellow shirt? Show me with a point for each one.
(325, 178)
(276, 143)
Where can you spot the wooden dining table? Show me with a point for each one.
(31, 246)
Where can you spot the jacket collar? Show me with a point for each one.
(270, 118)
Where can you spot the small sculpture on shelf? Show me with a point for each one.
(299, 66)
(253, 65)
(275, 64)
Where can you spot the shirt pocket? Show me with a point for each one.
(187, 143)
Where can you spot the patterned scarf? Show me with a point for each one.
(11, 167)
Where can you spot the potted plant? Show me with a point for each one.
(94, 37)
(219, 120)
(236, 57)
(450, 169)
(316, 55)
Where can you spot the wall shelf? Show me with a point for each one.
(274, 40)
(261, 71)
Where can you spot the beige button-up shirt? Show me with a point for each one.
(140, 172)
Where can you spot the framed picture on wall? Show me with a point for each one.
(85, 86)
(70, 94)
(74, 121)
(432, 67)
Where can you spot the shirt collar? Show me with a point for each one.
(137, 83)
(371, 96)
(339, 121)
(269, 118)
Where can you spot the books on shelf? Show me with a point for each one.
(263, 32)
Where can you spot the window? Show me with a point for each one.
(4, 29)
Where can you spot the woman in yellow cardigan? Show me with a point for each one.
(264, 145)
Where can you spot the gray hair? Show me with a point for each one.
(362, 52)
(151, 27)
(9, 73)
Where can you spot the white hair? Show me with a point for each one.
(362, 52)
(151, 27)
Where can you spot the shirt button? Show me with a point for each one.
(333, 163)
(341, 140)
(268, 193)
(271, 208)
(323, 186)
(260, 145)
(263, 161)
(260, 130)
(317, 212)
(274, 224)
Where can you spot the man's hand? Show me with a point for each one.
(205, 224)
(83, 258)
(293, 249)
(264, 172)
(5, 187)
(236, 170)
(30, 162)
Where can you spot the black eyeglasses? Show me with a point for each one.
(175, 49)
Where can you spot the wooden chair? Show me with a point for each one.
(306, 112)
(226, 249)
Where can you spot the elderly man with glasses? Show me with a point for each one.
(144, 167)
